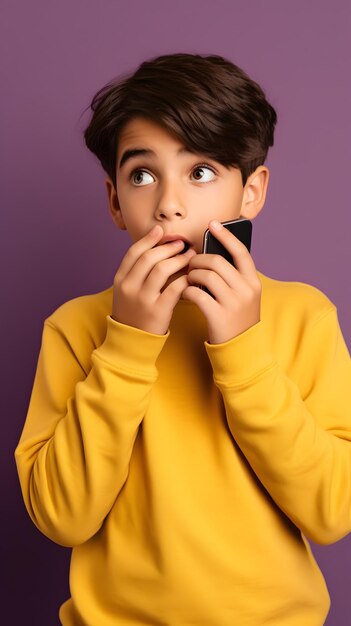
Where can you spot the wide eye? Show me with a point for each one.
(199, 170)
(137, 177)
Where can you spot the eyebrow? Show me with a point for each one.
(135, 152)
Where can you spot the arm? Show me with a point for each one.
(75, 448)
(299, 447)
(74, 452)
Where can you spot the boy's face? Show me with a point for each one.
(177, 189)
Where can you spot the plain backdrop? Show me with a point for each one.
(59, 242)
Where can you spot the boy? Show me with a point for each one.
(187, 446)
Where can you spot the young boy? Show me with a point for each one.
(188, 446)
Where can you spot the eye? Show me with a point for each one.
(202, 168)
(138, 174)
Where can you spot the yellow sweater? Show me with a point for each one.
(187, 476)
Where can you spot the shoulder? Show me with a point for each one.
(83, 316)
(294, 299)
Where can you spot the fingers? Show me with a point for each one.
(154, 261)
(147, 269)
(220, 278)
(219, 289)
(203, 300)
(171, 294)
(151, 259)
(165, 269)
(138, 248)
(213, 264)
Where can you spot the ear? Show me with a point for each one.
(113, 203)
(254, 194)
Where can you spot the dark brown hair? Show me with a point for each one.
(207, 102)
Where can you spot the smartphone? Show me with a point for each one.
(241, 228)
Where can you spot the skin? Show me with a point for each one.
(183, 194)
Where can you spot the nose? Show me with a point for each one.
(169, 205)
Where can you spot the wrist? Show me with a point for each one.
(151, 329)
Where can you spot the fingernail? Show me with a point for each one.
(216, 224)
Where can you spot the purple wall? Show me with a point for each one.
(59, 241)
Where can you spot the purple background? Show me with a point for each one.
(59, 241)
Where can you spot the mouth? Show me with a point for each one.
(186, 247)
(169, 238)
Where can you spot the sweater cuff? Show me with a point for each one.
(237, 361)
(131, 349)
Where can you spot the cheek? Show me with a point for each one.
(137, 226)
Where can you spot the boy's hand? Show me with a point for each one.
(143, 294)
(237, 290)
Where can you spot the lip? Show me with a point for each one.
(168, 238)
(174, 237)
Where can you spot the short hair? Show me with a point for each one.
(207, 102)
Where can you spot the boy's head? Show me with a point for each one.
(197, 115)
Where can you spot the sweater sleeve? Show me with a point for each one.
(299, 447)
(74, 452)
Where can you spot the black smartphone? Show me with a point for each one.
(241, 228)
